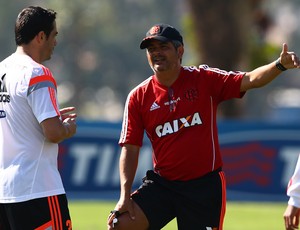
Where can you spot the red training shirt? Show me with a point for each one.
(180, 120)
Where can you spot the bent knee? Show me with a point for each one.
(138, 222)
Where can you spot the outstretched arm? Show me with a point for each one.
(265, 74)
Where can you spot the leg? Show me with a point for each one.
(203, 203)
(4, 223)
(153, 205)
(39, 214)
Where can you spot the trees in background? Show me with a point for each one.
(98, 61)
(227, 33)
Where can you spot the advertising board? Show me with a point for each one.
(259, 158)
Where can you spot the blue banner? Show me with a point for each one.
(259, 159)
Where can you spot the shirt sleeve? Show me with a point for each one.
(224, 85)
(42, 96)
(293, 190)
(132, 126)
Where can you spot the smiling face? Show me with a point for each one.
(163, 56)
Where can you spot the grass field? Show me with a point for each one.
(92, 215)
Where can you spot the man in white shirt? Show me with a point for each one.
(32, 195)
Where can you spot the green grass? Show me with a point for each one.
(91, 215)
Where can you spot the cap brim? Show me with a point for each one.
(144, 44)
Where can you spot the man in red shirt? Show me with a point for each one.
(176, 107)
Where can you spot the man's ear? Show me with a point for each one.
(40, 37)
(180, 51)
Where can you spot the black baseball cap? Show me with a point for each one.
(161, 32)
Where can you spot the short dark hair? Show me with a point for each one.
(31, 21)
(176, 43)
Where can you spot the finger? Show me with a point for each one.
(67, 110)
(289, 222)
(72, 115)
(131, 211)
(292, 224)
(295, 60)
(113, 214)
(110, 224)
(296, 222)
(286, 222)
(66, 120)
(69, 117)
(284, 48)
(110, 219)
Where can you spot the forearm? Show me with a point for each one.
(128, 165)
(56, 131)
(260, 77)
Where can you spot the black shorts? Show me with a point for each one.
(38, 214)
(197, 204)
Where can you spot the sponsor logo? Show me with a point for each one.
(4, 96)
(175, 125)
(259, 161)
(191, 94)
(240, 169)
(154, 30)
(2, 114)
(154, 106)
(2, 84)
(172, 101)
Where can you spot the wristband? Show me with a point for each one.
(280, 66)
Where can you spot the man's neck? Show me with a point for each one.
(26, 50)
(167, 78)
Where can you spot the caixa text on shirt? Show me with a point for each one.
(175, 125)
(2, 114)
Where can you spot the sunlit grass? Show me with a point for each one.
(91, 215)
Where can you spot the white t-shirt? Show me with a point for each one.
(28, 162)
(293, 190)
